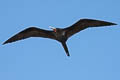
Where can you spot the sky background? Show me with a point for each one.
(95, 52)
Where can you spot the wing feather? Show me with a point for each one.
(31, 32)
(85, 23)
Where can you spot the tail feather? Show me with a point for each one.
(65, 48)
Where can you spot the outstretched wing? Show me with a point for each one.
(85, 23)
(31, 32)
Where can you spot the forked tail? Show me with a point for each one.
(65, 48)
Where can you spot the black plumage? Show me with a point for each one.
(59, 34)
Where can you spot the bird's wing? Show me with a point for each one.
(31, 32)
(85, 23)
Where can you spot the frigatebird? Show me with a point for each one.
(59, 34)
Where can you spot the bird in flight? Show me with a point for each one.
(59, 34)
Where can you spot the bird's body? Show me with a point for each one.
(59, 34)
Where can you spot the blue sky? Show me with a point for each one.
(94, 52)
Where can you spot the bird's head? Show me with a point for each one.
(53, 28)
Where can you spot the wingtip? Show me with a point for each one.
(113, 24)
(110, 24)
(4, 43)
